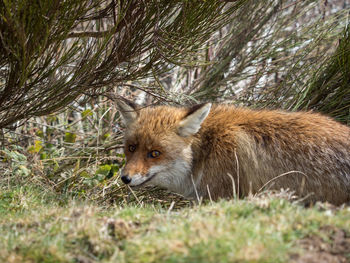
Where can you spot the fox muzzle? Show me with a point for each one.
(126, 179)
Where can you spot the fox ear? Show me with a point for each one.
(127, 110)
(193, 120)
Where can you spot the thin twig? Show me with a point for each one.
(233, 186)
(171, 207)
(278, 176)
(137, 199)
(237, 172)
(195, 188)
(211, 200)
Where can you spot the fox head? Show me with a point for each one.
(157, 144)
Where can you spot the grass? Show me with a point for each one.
(37, 225)
(62, 201)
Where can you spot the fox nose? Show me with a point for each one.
(126, 179)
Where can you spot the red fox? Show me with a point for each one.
(218, 151)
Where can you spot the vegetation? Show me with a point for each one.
(54, 51)
(37, 225)
(328, 90)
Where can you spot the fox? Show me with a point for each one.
(212, 151)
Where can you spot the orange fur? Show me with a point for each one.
(250, 147)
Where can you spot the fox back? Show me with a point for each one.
(221, 151)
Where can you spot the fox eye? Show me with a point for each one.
(153, 154)
(132, 148)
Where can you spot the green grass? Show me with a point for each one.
(41, 226)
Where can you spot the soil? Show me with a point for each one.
(335, 248)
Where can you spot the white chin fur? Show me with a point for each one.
(138, 179)
(173, 176)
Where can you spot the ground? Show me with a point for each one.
(42, 226)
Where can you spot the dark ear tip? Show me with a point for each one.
(119, 100)
(194, 108)
(128, 102)
(115, 97)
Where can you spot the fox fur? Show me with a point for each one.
(218, 151)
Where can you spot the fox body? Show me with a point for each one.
(218, 151)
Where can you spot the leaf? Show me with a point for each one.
(103, 169)
(77, 166)
(85, 174)
(40, 133)
(22, 170)
(36, 147)
(15, 156)
(31, 149)
(70, 137)
(56, 166)
(51, 118)
(86, 113)
(105, 172)
(106, 136)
